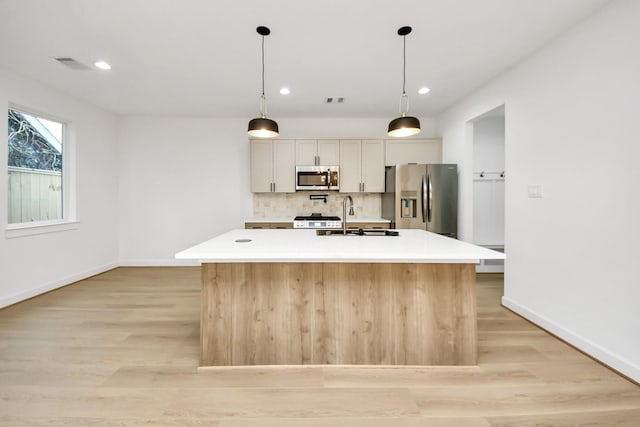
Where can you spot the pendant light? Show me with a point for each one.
(262, 127)
(404, 125)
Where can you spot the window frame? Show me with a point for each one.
(69, 220)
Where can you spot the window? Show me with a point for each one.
(35, 168)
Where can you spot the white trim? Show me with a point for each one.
(30, 293)
(620, 364)
(69, 172)
(39, 227)
(38, 113)
(160, 262)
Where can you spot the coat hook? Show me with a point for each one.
(502, 174)
(482, 174)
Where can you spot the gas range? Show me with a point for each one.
(317, 221)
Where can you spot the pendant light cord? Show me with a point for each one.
(404, 63)
(404, 97)
(262, 65)
(263, 99)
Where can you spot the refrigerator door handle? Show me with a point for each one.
(423, 198)
(429, 198)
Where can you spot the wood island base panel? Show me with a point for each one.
(338, 313)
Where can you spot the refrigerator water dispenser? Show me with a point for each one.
(408, 208)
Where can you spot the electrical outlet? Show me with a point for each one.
(534, 191)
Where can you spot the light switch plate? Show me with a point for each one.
(534, 191)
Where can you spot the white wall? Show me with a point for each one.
(30, 265)
(185, 180)
(488, 144)
(347, 128)
(182, 181)
(571, 126)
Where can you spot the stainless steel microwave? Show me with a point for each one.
(317, 177)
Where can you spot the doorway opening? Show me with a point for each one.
(489, 176)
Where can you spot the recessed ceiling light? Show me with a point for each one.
(102, 65)
(423, 90)
(285, 91)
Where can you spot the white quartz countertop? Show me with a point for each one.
(410, 246)
(353, 219)
(290, 219)
(350, 219)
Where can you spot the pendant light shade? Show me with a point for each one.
(262, 127)
(404, 125)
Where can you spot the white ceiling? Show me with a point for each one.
(202, 57)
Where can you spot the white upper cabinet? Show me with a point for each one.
(422, 151)
(284, 166)
(306, 152)
(272, 166)
(373, 166)
(324, 152)
(362, 166)
(350, 166)
(261, 166)
(328, 152)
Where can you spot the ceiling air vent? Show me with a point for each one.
(71, 63)
(334, 100)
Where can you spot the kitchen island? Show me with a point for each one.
(291, 297)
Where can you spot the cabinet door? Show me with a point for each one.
(284, 165)
(329, 152)
(350, 166)
(261, 166)
(373, 166)
(421, 151)
(281, 225)
(306, 152)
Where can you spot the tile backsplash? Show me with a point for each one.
(288, 205)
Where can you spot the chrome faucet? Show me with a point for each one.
(344, 212)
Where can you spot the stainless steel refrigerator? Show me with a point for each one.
(422, 196)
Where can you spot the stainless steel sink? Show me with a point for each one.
(359, 232)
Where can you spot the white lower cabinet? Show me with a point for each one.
(273, 166)
(362, 166)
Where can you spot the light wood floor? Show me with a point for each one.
(121, 349)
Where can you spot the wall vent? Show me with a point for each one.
(334, 100)
(71, 63)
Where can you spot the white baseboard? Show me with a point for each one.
(161, 262)
(620, 364)
(30, 293)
